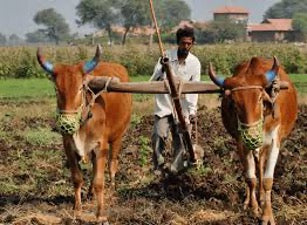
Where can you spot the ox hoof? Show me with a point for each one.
(102, 220)
(256, 212)
(245, 206)
(269, 221)
(77, 213)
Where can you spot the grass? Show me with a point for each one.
(40, 137)
(25, 89)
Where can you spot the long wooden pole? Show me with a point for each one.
(154, 19)
(152, 87)
(156, 87)
(174, 92)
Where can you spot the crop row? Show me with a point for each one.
(20, 62)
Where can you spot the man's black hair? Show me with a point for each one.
(185, 32)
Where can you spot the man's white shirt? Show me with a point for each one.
(189, 70)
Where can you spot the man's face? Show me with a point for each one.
(184, 46)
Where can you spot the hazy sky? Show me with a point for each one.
(16, 16)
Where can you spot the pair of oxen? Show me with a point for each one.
(257, 110)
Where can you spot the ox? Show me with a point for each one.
(258, 116)
(90, 123)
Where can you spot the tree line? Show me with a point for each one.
(129, 14)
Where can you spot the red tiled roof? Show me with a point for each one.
(272, 25)
(231, 9)
(281, 24)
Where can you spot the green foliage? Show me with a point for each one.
(221, 31)
(17, 62)
(40, 137)
(286, 9)
(26, 89)
(144, 151)
(56, 27)
(135, 120)
(38, 36)
(225, 57)
(14, 39)
(130, 13)
(2, 39)
(135, 13)
(300, 24)
(101, 13)
(171, 12)
(28, 66)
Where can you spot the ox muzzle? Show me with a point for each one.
(251, 134)
(68, 123)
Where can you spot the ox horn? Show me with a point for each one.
(47, 66)
(90, 65)
(273, 72)
(219, 81)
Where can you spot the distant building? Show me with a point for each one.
(275, 30)
(190, 23)
(234, 13)
(134, 31)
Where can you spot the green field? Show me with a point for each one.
(41, 88)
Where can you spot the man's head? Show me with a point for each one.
(185, 40)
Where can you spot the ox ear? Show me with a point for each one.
(90, 65)
(47, 66)
(219, 81)
(273, 72)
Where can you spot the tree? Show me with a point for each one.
(36, 37)
(2, 39)
(300, 24)
(14, 39)
(131, 13)
(101, 13)
(221, 31)
(286, 9)
(56, 27)
(135, 13)
(171, 12)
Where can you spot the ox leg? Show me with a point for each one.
(98, 182)
(248, 160)
(91, 191)
(262, 159)
(267, 216)
(75, 173)
(113, 165)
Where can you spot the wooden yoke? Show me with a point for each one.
(175, 95)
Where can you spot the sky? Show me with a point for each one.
(16, 16)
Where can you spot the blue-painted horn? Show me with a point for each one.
(219, 81)
(90, 65)
(47, 66)
(273, 72)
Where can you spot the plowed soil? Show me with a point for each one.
(35, 185)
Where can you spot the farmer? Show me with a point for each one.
(186, 67)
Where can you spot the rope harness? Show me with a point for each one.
(252, 134)
(70, 121)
